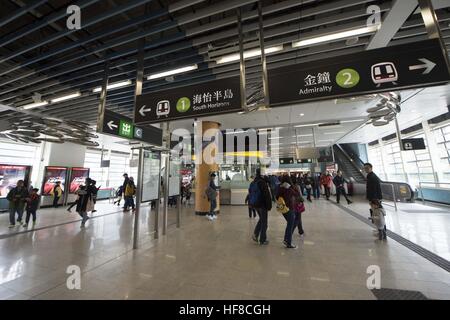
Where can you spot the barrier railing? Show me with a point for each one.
(394, 197)
(433, 183)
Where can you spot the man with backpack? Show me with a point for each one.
(260, 199)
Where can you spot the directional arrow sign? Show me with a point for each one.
(119, 125)
(111, 125)
(144, 110)
(428, 66)
(413, 65)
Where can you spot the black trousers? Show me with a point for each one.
(339, 191)
(298, 223)
(327, 191)
(30, 213)
(251, 211)
(72, 205)
(55, 201)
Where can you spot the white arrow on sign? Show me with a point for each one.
(142, 110)
(428, 66)
(111, 125)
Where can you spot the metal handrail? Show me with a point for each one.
(393, 195)
(435, 183)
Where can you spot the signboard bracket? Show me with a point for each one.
(432, 26)
(263, 58)
(103, 93)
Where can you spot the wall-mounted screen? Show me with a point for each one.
(10, 174)
(51, 176)
(174, 177)
(77, 178)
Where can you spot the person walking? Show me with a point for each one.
(326, 183)
(340, 189)
(17, 198)
(33, 201)
(84, 202)
(124, 185)
(286, 205)
(211, 195)
(261, 200)
(130, 191)
(299, 209)
(57, 193)
(373, 186)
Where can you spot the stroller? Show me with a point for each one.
(119, 193)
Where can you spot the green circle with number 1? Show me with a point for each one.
(347, 78)
(183, 104)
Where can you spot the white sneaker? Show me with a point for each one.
(209, 217)
(214, 217)
(11, 226)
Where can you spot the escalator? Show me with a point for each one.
(351, 168)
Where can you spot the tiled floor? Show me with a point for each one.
(211, 260)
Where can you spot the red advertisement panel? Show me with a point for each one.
(51, 176)
(77, 178)
(9, 175)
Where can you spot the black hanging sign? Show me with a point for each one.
(119, 125)
(204, 99)
(406, 66)
(413, 144)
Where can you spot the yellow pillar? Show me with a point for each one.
(202, 174)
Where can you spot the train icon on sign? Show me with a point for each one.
(384, 72)
(163, 108)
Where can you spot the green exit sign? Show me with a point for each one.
(126, 129)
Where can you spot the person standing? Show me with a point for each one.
(299, 209)
(260, 199)
(286, 205)
(211, 195)
(308, 186)
(17, 198)
(57, 193)
(316, 186)
(32, 206)
(373, 186)
(340, 189)
(124, 185)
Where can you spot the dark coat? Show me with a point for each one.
(289, 195)
(16, 197)
(339, 181)
(373, 187)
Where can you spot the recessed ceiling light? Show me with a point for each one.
(248, 54)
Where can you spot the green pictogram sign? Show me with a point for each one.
(126, 129)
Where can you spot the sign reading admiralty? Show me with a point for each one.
(204, 99)
(418, 64)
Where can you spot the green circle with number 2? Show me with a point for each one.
(348, 78)
(183, 104)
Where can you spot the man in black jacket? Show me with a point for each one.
(340, 189)
(259, 194)
(373, 185)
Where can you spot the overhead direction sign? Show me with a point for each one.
(205, 99)
(406, 66)
(121, 126)
(413, 144)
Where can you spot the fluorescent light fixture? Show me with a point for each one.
(235, 132)
(275, 138)
(66, 97)
(114, 86)
(335, 36)
(307, 125)
(35, 105)
(172, 72)
(356, 120)
(248, 54)
(301, 114)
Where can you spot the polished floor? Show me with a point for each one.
(208, 259)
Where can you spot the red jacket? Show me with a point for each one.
(326, 181)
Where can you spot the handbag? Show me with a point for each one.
(300, 207)
(281, 206)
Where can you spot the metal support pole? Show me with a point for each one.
(399, 138)
(166, 178)
(140, 70)
(432, 25)
(158, 205)
(242, 60)
(263, 57)
(138, 198)
(102, 99)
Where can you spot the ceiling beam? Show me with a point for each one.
(394, 20)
